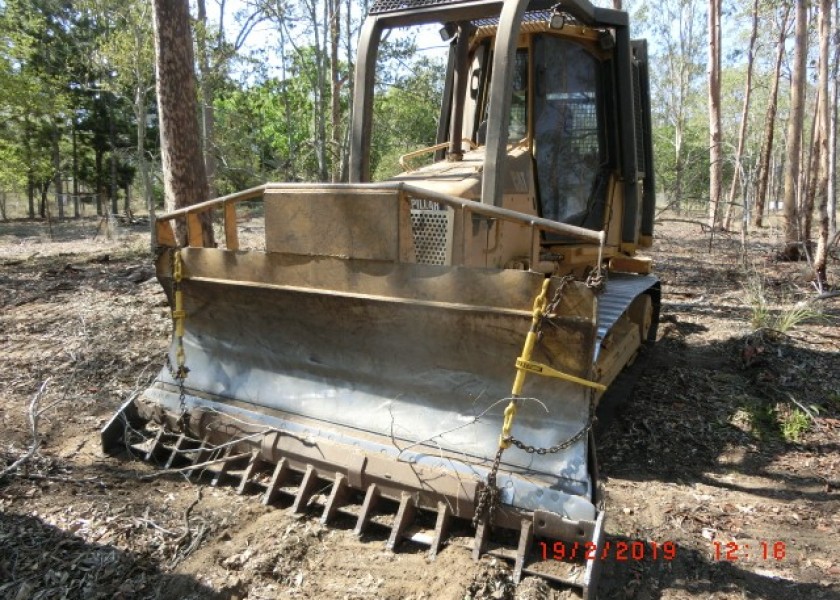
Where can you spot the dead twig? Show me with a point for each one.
(34, 415)
(188, 541)
(156, 474)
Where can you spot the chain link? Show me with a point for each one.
(559, 447)
(488, 495)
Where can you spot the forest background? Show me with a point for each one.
(744, 105)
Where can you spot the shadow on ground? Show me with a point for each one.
(694, 573)
(39, 560)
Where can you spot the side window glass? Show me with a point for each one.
(518, 128)
(567, 141)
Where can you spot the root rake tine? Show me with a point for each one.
(223, 467)
(155, 443)
(480, 542)
(198, 454)
(307, 488)
(176, 448)
(444, 516)
(337, 497)
(526, 538)
(246, 474)
(371, 498)
(280, 472)
(405, 516)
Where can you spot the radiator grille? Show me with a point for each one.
(432, 229)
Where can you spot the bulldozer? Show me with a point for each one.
(432, 348)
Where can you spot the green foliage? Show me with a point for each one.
(405, 117)
(764, 316)
(766, 421)
(794, 425)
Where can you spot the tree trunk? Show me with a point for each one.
(30, 195)
(76, 207)
(821, 256)
(208, 96)
(715, 153)
(112, 144)
(335, 88)
(832, 138)
(321, 92)
(350, 46)
(98, 180)
(811, 175)
(764, 166)
(745, 111)
(794, 133)
(57, 183)
(184, 178)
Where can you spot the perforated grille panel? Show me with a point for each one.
(386, 6)
(431, 224)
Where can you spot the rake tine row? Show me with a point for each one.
(401, 528)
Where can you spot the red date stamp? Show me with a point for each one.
(763, 550)
(620, 551)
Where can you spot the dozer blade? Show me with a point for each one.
(390, 378)
(398, 372)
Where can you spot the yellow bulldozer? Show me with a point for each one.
(433, 347)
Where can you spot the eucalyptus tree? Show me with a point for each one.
(127, 53)
(679, 26)
(794, 132)
(821, 257)
(762, 180)
(715, 134)
(745, 113)
(184, 178)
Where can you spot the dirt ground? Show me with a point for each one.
(728, 449)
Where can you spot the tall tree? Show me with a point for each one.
(745, 113)
(832, 137)
(794, 133)
(770, 123)
(208, 95)
(680, 29)
(184, 178)
(821, 257)
(715, 145)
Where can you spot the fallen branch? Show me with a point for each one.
(150, 476)
(827, 295)
(34, 415)
(704, 227)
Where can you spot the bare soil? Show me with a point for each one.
(730, 436)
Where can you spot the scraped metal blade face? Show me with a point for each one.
(410, 361)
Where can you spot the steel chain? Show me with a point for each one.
(488, 496)
(179, 373)
(584, 431)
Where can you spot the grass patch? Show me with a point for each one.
(763, 316)
(770, 421)
(794, 425)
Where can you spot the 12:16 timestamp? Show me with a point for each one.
(733, 551)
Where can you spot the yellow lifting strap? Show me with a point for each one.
(524, 365)
(178, 313)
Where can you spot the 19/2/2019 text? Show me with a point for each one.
(620, 551)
